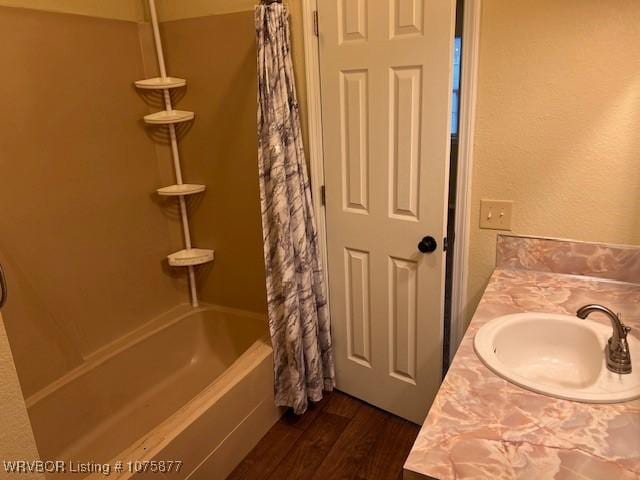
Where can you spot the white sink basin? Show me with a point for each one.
(557, 355)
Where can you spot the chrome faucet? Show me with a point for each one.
(617, 350)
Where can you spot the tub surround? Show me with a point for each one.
(482, 426)
(221, 153)
(82, 248)
(217, 429)
(198, 388)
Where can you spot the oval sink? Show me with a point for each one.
(557, 355)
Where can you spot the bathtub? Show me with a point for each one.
(194, 387)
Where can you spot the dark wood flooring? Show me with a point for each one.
(338, 438)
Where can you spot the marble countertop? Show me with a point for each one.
(483, 427)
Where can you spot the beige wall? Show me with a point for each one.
(179, 9)
(83, 239)
(132, 10)
(297, 52)
(557, 123)
(16, 437)
(169, 10)
(216, 54)
(88, 230)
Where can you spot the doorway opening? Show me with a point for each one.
(453, 184)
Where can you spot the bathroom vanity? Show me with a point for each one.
(483, 426)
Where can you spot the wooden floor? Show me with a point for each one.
(338, 438)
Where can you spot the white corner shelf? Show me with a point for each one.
(159, 83)
(167, 117)
(190, 257)
(178, 190)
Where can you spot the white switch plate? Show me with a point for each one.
(496, 214)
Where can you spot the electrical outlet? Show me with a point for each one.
(496, 214)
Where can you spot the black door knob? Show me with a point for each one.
(3, 288)
(428, 245)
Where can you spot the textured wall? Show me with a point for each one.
(83, 238)
(16, 437)
(557, 123)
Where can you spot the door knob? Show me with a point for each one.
(428, 245)
(3, 288)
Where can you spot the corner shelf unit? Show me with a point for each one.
(190, 256)
(182, 189)
(168, 117)
(159, 83)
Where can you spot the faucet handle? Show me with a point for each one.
(625, 329)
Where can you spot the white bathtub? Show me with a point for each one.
(195, 386)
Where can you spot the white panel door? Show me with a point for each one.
(386, 87)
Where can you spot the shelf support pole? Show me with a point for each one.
(174, 150)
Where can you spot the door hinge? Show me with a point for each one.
(316, 28)
(445, 244)
(323, 196)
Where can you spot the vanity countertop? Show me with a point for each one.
(483, 427)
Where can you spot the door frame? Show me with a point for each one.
(468, 87)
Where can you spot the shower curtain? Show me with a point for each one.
(297, 303)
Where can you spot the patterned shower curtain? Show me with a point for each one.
(297, 304)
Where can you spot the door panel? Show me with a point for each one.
(406, 87)
(355, 140)
(358, 315)
(403, 318)
(386, 86)
(407, 17)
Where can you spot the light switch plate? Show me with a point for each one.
(496, 214)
